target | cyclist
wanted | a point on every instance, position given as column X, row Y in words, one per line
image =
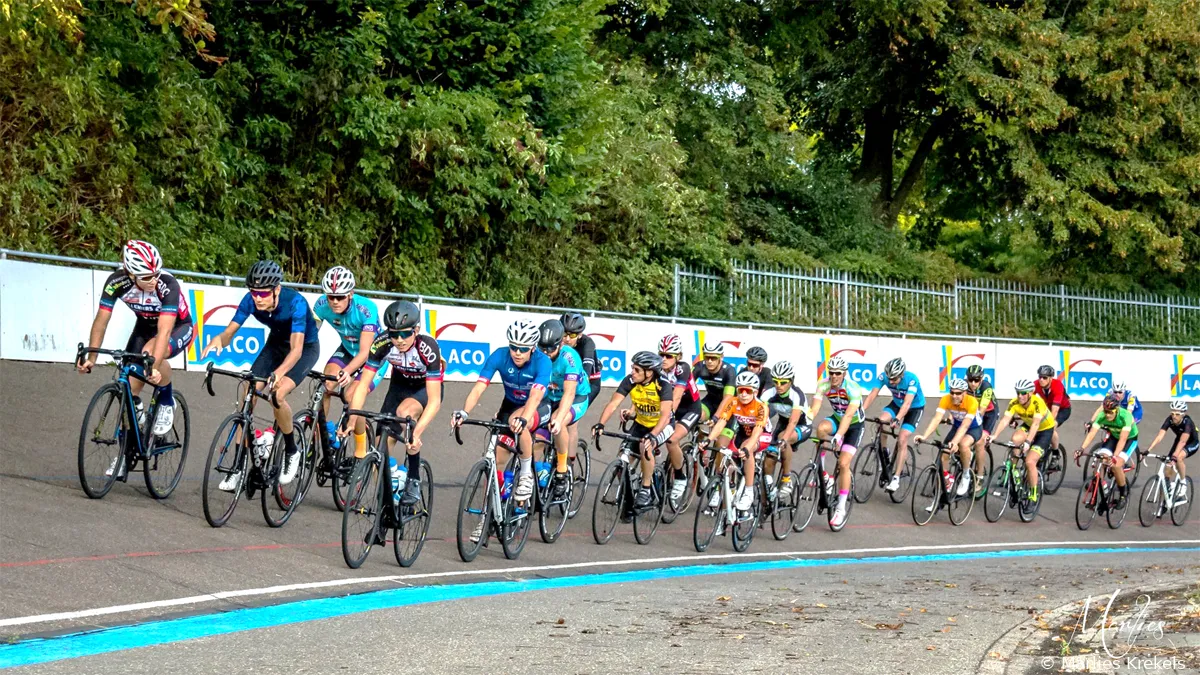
column 1122, row 439
column 751, row 435
column 649, row 389
column 1032, row 412
column 756, row 359
column 964, row 413
column 906, row 408
column 525, row 374
column 717, row 376
column 685, row 405
column 980, row 388
column 574, row 337
column 357, row 323
column 1053, row 392
column 1186, row 441
column 415, row 390
column 1126, row 400
column 792, row 427
column 290, row 351
column 164, row 326
column 569, row 389
column 844, row 426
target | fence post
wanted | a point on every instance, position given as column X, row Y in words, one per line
column 675, row 304
column 845, row 299
column 1062, row 303
column 1169, row 328
column 956, row 316
column 732, row 275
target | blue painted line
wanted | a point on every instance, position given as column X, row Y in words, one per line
column 77, row 645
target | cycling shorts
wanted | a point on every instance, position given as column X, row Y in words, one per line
column 273, row 354
column 1109, row 447
column 853, row 435
column 742, row 436
column 578, row 410
column 688, row 415
column 508, row 407
column 145, row 331
column 911, row 420
column 400, row 390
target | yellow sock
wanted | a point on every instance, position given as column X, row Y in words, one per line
column 360, row 446
column 562, row 462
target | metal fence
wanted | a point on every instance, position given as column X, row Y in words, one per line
column 823, row 297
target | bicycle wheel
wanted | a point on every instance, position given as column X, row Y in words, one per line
column 1181, row 507
column 1152, row 503
column 302, row 428
column 785, row 510
column 690, row 467
column 364, row 506
column 581, row 472
column 907, row 475
column 1055, row 470
column 1027, row 509
column 960, row 505
column 279, row 501
column 808, row 497
column 746, row 524
column 609, row 501
column 340, row 483
column 101, row 441
column 553, row 515
column 868, row 468
column 1085, row 504
column 166, row 454
column 227, row 456
column 515, row 530
column 474, row 511
column 833, row 506
column 996, row 500
column 1132, row 476
column 708, row 518
column 645, row 521
column 927, row 496
column 414, row 522
column 673, row 508
column 983, row 480
column 1116, row 516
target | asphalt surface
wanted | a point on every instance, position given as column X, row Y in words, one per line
column 61, row 552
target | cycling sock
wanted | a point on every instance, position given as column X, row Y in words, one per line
column 842, row 498
column 561, row 464
column 680, row 474
column 289, row 442
column 360, row 446
column 414, row 466
column 526, row 466
column 166, row 395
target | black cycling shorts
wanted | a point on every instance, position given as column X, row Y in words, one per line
column 273, row 354
column 144, row 331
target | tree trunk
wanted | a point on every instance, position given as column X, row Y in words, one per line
column 913, row 171
column 879, row 133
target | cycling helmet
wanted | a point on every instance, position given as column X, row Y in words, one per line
column 958, row 384
column 401, row 315
column 573, row 322
column 523, row 333
column 1046, row 371
column 756, row 354
column 264, row 274
column 783, row 370
column 894, row 368
column 550, row 335
column 1111, row 402
column 1179, row 406
column 647, row 361
column 836, row 364
column 714, row 349
column 670, row 344
column 747, row 380
column 974, row 371
column 338, row 281
column 1118, row 387
column 1023, row 386
column 141, row 259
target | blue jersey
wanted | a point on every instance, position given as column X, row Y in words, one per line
column 359, row 316
column 908, row 384
column 568, row 367
column 291, row 315
column 518, row 381
column 1126, row 399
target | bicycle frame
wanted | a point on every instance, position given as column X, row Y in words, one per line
column 495, row 502
column 125, row 363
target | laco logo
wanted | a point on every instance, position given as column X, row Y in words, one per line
column 1083, row 382
column 861, row 372
column 242, row 349
column 950, row 366
column 463, row 357
column 1184, row 385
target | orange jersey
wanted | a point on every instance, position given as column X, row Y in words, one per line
column 747, row 416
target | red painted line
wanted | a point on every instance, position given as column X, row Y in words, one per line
column 150, row 554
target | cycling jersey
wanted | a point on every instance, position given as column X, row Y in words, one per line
column 586, row 348
column 908, row 384
column 1127, row 400
column 1185, row 426
column 518, row 381
column 716, row 385
column 969, row 408
column 568, row 367
column 422, row 361
column 359, row 316
column 681, row 375
column 1055, row 396
column 291, row 315
column 985, row 395
column 765, row 379
column 166, row 298
column 1123, row 420
column 841, row 397
column 782, row 405
column 647, row 398
column 746, row 416
column 1026, row 413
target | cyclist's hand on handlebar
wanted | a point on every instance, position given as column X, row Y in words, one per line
column 155, row 377
column 85, row 367
column 597, row 429
column 457, row 418
column 918, row 439
column 626, row 414
column 343, row 378
column 1078, row 454
column 648, row 444
column 517, row 424
column 837, row 441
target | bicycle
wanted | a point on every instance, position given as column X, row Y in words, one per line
column 1160, row 495
column 234, row 452
column 553, row 514
column 880, row 471
column 782, row 514
column 725, row 517
column 1007, row 487
column 581, row 473
column 334, row 467
column 932, row 494
column 1099, row 493
column 129, row 441
column 1134, row 463
column 487, row 503
column 819, row 490
column 373, row 504
column 618, row 487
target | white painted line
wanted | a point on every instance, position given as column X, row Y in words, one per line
column 312, row 585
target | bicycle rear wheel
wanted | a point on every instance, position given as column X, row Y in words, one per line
column 996, row 499
column 474, row 510
column 1055, row 469
column 747, row 522
column 808, row 497
column 228, row 456
column 609, row 501
column 1181, row 508
column 102, row 438
column 1152, row 503
column 673, row 508
column 1027, row 509
column 166, row 454
column 1085, row 503
column 645, row 521
column 708, row 518
column 364, row 505
column 279, row 501
column 784, row 510
column 907, row 475
column 960, row 505
column 414, row 522
column 867, row 468
column 302, row 428
column 1116, row 516
column 517, row 518
column 927, row 496
column 982, row 480
column 581, row 473
column 552, row 514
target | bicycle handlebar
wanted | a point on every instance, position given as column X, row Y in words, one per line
column 494, row 425
column 146, row 359
column 322, row 377
column 247, row 376
column 405, row 423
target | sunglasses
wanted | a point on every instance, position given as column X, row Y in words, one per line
column 336, row 298
column 974, row 379
column 519, row 350
column 571, row 336
column 781, row 381
column 751, row 364
column 402, row 334
column 746, row 390
column 668, row 356
column 147, row 279
column 547, row 350
column 262, row 295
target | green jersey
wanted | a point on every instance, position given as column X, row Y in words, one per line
column 1123, row 420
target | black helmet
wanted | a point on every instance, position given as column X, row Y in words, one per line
column 974, row 371
column 400, row 315
column 550, row 335
column 756, row 354
column 647, row 361
column 264, row 274
column 1111, row 402
column 1045, row 371
column 573, row 322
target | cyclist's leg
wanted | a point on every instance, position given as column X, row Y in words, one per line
column 412, row 407
column 507, row 441
column 337, row 362
column 1037, row 448
column 908, row 427
column 1020, row 436
column 846, row 457
column 1064, row 414
column 562, row 440
column 686, row 419
column 1120, row 460
column 285, row 385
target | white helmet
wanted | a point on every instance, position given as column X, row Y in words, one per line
column 523, row 333
column 1119, row 386
column 141, row 259
column 747, row 379
column 1178, row 406
column 338, row 281
column 836, row 364
column 894, row 368
column 1024, row 386
column 783, row 370
column 958, row 384
column 714, row 349
column 670, row 344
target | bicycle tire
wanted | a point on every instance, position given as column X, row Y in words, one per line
column 1027, row 509
column 339, row 484
column 672, row 509
column 363, row 510
column 1056, row 459
column 230, row 456
column 91, row 474
column 552, row 515
column 689, row 471
column 518, row 517
column 783, row 511
column 1179, row 512
column 645, row 522
column 743, row 529
column 995, row 502
column 907, row 476
column 960, row 506
column 303, row 424
column 833, row 506
column 173, row 458
column 474, row 506
column 1116, row 516
column 927, row 495
column 983, row 481
column 808, row 491
column 279, row 501
column 1151, row 503
column 708, row 519
column 868, row 466
column 1085, row 508
column 414, row 522
column 1132, row 476
column 581, row 473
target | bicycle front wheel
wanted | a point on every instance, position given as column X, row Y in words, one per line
column 808, row 497
column 553, row 514
column 868, row 469
column 961, row 505
column 1152, row 503
column 1116, row 516
column 645, row 521
column 1089, row 493
column 102, row 438
column 1183, row 505
column 166, row 454
column 746, row 523
column 1027, row 509
column 907, row 475
column 345, row 459
column 225, row 470
column 581, row 473
column 1056, row 469
column 996, row 499
column 609, row 501
column 474, row 512
column 928, row 495
column 673, row 508
column 709, row 518
column 784, row 510
column 364, row 506
column 414, row 522
column 279, row 500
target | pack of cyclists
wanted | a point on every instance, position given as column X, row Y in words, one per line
column 550, row 375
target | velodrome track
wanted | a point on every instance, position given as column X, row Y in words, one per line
column 70, row 564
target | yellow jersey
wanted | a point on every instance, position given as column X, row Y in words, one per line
column 647, row 398
column 1026, row 413
column 968, row 409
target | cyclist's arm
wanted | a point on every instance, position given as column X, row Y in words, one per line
column 99, row 327
column 790, row 427
column 847, row 419
column 963, row 427
column 1000, row 424
column 986, row 397
column 613, row 404
column 814, row 407
column 870, row 398
column 433, row 390
column 1054, row 412
column 664, row 418
column 365, row 339
column 1123, row 439
column 536, row 393
column 239, row 317
column 752, row 440
column 473, row 396
column 1157, row 439
column 1183, row 442
column 1033, row 428
column 677, row 394
column 1087, row 439
column 564, row 404
column 1132, row 404
column 933, row 422
column 717, row 427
